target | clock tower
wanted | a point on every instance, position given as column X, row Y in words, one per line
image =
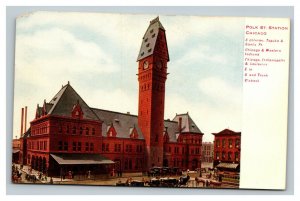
column 152, row 75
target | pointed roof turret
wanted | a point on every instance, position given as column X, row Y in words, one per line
column 188, row 125
column 150, row 39
column 63, row 102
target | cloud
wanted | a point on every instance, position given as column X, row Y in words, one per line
column 57, row 52
column 221, row 91
column 183, row 28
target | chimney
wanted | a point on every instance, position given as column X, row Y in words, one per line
column 180, row 124
column 25, row 123
column 22, row 119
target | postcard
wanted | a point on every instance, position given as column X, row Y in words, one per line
column 150, row 100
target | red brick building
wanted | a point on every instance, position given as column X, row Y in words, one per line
column 227, row 149
column 68, row 135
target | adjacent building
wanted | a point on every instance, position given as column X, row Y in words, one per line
column 227, row 150
column 207, row 152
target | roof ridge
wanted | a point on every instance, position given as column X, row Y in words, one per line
column 114, row 112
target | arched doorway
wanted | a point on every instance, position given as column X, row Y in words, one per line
column 194, row 164
column 166, row 163
column 40, row 164
column 33, row 162
column 44, row 165
column 118, row 167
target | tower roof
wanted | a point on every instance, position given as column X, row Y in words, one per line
column 150, row 38
column 188, row 125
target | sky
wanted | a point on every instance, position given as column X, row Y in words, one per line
column 97, row 54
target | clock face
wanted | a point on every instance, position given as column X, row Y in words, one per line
column 146, row 65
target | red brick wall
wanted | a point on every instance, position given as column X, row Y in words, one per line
column 224, row 149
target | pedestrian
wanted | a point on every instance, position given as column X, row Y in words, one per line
column 89, row 174
column 51, row 180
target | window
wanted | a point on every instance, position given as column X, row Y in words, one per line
column 218, row 155
column 130, row 164
column 87, row 146
column 236, row 157
column 68, row 129
column 136, row 163
column 74, row 130
column 80, row 130
column 79, row 146
column 45, row 145
column 192, row 151
column 60, row 145
column 223, row 155
column 38, row 145
column 230, row 143
column 237, row 143
column 126, row 164
column 218, row 143
column 229, row 155
column 66, row 146
column 182, row 150
column 92, row 147
column 128, row 148
column 223, row 143
column 93, row 131
column 74, row 146
column 87, row 131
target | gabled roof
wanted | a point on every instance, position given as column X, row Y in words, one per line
column 150, row 38
column 63, row 102
column 227, row 132
column 188, row 125
column 123, row 123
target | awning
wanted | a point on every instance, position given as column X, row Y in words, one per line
column 228, row 165
column 80, row 159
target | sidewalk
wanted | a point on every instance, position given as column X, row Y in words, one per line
column 36, row 173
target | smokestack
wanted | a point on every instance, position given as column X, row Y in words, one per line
column 22, row 119
column 25, row 123
column 180, row 124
